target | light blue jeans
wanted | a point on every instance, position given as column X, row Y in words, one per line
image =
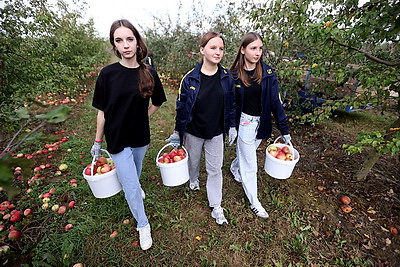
column 244, row 166
column 129, row 167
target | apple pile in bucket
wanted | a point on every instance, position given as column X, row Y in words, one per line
column 102, row 165
column 175, row 155
column 282, row 153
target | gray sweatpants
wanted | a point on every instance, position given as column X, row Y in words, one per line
column 214, row 155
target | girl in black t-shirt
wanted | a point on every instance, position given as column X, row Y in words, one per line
column 122, row 96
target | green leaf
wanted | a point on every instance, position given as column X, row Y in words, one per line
column 56, row 115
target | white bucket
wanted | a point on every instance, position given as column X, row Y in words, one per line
column 103, row 185
column 280, row 169
column 176, row 173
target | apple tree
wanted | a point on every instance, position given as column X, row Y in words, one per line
column 337, row 43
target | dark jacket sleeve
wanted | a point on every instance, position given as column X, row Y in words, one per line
column 277, row 109
column 182, row 111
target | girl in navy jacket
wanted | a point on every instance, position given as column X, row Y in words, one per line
column 256, row 99
column 205, row 113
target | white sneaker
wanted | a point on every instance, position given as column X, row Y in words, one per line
column 195, row 186
column 218, row 214
column 145, row 237
column 143, row 194
column 259, row 211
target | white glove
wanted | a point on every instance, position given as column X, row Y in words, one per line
column 95, row 151
column 173, row 138
column 286, row 138
column 232, row 135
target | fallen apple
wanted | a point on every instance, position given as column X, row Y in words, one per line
column 68, row 226
column 393, row 230
column 63, row 167
column 345, row 199
column 62, row 210
column 346, row 208
column 113, row 234
column 71, row 204
column 14, row 234
column 55, row 207
column 27, row 212
column 15, row 217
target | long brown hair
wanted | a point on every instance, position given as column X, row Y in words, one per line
column 207, row 37
column 146, row 80
column 238, row 63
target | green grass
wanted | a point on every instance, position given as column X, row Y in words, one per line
column 184, row 234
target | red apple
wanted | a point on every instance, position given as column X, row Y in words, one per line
column 27, row 212
column 15, row 217
column 101, row 161
column 88, row 170
column 62, row 210
column 52, row 190
column 173, row 153
column 71, row 204
column 68, row 226
column 177, row 158
column 181, row 152
column 14, row 234
column 273, row 153
column 105, row 168
column 166, row 160
column 2, row 227
column 281, row 156
column 285, row 149
column 114, row 234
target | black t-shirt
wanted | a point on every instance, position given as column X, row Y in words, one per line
column 252, row 97
column 125, row 110
column 208, row 110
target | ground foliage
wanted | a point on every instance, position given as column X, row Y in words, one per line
column 306, row 225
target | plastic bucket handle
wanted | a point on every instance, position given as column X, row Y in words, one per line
column 175, row 145
column 94, row 159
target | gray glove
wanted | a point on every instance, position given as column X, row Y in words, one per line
column 95, row 151
column 173, row 138
column 286, row 138
column 232, row 135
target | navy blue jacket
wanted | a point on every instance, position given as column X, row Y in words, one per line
column 270, row 102
column 188, row 90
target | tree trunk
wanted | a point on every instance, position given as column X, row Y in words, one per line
column 372, row 158
column 373, row 155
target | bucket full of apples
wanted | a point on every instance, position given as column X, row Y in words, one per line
column 280, row 160
column 101, row 176
column 173, row 164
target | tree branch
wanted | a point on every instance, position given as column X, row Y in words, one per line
column 368, row 55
